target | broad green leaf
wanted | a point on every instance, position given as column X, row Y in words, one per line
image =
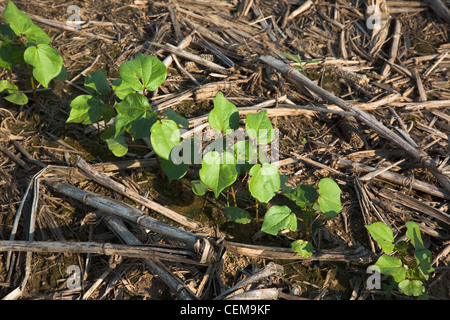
column 413, row 233
column 22, row 25
column 85, row 109
column 7, row 86
column 218, row 171
column 108, row 112
column 224, row 115
column 383, row 235
column 172, row 115
column 143, row 72
column 121, row 88
column 259, row 127
column 198, row 187
column 238, row 215
column 116, row 144
column 284, row 179
column 46, row 62
column 411, row 287
column 6, row 33
column 18, row 98
column 422, row 254
column 264, row 181
column 279, row 218
column 391, row 266
column 164, row 136
column 9, row 54
column 14, row 95
column 174, row 171
column 36, row 36
column 303, row 248
column 246, row 155
column 303, row 195
column 329, row 197
column 62, row 76
column 97, row 82
column 135, row 116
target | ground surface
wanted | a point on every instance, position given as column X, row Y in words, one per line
column 349, row 64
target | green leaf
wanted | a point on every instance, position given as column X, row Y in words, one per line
column 238, row 215
column 7, row 86
column 172, row 115
column 329, row 197
column 144, row 72
column 116, row 144
column 303, row 248
column 22, row 25
column 121, row 88
column 259, row 127
column 164, row 136
column 422, row 254
column 279, row 218
column 62, row 76
column 134, row 115
column 18, row 98
column 198, row 187
column 284, row 179
column 108, row 112
column 14, row 95
column 172, row 170
column 383, row 235
column 97, row 82
column 391, row 266
column 264, row 182
column 218, row 171
column 85, row 109
column 224, row 115
column 411, row 287
column 6, row 33
column 303, row 195
column 9, row 54
column 246, row 154
column 46, row 62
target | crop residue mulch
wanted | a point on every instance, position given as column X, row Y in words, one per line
column 396, row 71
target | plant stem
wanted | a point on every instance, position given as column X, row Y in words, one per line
column 34, row 92
column 234, row 195
column 256, row 206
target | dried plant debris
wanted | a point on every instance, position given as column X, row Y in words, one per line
column 359, row 92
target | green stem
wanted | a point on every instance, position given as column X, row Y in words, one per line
column 234, row 195
column 256, row 206
column 34, row 92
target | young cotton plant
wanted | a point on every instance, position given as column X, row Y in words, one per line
column 24, row 43
column 125, row 100
column 230, row 160
column 326, row 199
column 408, row 272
